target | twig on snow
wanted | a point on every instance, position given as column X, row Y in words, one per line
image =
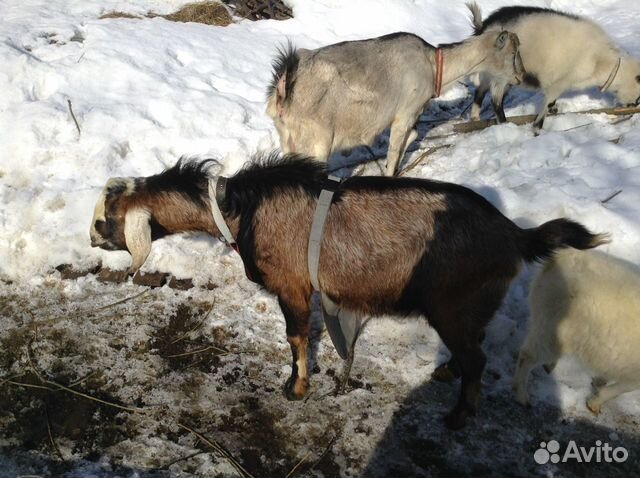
column 53, row 442
column 324, row 453
column 88, row 312
column 59, row 386
column 422, row 157
column 73, row 116
column 199, row 351
column 609, row 198
column 524, row 119
column 197, row 326
column 178, row 460
column 302, row 460
column 29, row 385
column 217, row 447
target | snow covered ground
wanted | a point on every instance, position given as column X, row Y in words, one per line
column 148, row 91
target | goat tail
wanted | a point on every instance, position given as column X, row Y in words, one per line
column 284, row 67
column 476, row 17
column 541, row 242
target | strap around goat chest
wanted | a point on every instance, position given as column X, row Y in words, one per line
column 342, row 324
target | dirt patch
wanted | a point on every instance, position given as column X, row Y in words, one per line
column 218, row 13
column 117, row 15
column 183, row 344
column 260, row 9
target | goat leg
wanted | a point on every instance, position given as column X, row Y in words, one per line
column 296, row 314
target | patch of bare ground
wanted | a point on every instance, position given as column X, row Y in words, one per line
column 208, row 13
column 218, row 13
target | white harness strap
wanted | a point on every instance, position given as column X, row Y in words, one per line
column 343, row 325
column 612, row 76
column 216, row 190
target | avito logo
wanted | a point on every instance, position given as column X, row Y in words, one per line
column 600, row 453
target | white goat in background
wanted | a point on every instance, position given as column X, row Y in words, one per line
column 560, row 52
column 344, row 95
column 586, row 304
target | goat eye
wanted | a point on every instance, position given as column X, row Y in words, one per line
column 638, row 78
column 99, row 226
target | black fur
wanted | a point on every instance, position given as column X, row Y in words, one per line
column 188, row 177
column 265, row 176
column 541, row 242
column 531, row 80
column 286, row 61
column 467, row 212
column 506, row 15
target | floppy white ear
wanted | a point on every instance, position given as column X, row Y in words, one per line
column 137, row 235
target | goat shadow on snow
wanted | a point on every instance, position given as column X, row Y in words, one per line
column 436, row 112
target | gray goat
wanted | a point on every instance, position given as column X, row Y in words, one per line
column 344, row 95
column 560, row 52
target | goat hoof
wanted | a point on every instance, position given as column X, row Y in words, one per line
column 593, row 406
column 445, row 373
column 456, row 419
column 293, row 390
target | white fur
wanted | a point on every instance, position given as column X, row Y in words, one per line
column 587, row 304
column 565, row 54
column 99, row 211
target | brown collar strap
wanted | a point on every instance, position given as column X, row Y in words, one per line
column 439, row 69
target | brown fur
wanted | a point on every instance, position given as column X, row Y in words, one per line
column 391, row 246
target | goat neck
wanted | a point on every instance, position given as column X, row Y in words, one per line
column 459, row 60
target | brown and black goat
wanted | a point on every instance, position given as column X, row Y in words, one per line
column 399, row 246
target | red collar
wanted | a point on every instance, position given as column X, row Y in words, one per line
column 439, row 69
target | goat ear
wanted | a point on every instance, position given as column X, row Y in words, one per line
column 137, row 235
column 282, row 87
column 501, row 41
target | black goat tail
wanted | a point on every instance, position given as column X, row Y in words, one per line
column 540, row 243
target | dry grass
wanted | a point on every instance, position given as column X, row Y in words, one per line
column 116, row 15
column 209, row 13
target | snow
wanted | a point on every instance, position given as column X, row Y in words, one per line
column 146, row 92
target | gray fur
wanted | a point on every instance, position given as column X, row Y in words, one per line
column 344, row 95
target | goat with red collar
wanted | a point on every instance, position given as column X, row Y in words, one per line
column 344, row 95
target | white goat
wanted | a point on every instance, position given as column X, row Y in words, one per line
column 344, row 95
column 585, row 304
column 560, row 52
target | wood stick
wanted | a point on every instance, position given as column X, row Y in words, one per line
column 217, row 447
column 298, row 465
column 524, row 119
column 605, row 201
column 422, row 157
column 73, row 116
